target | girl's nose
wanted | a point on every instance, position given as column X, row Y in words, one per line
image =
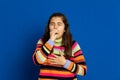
column 55, row 26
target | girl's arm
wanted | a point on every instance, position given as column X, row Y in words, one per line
column 77, row 63
column 42, row 51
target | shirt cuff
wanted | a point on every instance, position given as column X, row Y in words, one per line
column 67, row 64
column 50, row 42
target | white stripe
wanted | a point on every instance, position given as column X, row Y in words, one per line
column 46, row 49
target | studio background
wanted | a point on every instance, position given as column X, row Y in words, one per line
column 95, row 24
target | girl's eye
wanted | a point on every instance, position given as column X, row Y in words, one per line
column 59, row 24
column 51, row 23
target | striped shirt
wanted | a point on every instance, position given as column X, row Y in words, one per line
column 76, row 65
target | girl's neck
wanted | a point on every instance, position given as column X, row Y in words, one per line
column 58, row 41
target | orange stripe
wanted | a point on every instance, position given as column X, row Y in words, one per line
column 71, row 65
column 38, row 49
column 48, row 46
column 84, row 66
column 55, row 71
column 79, row 61
column 83, row 72
column 79, row 58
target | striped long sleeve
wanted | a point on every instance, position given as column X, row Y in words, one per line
column 42, row 51
column 77, row 63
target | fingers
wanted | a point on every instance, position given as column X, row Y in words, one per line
column 51, row 58
column 52, row 61
column 53, row 31
column 55, row 56
column 53, row 34
column 60, row 52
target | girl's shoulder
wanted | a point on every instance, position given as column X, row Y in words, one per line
column 74, row 42
column 40, row 41
column 75, row 45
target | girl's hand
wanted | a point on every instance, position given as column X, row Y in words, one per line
column 53, row 34
column 57, row 60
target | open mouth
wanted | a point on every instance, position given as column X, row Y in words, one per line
column 56, row 33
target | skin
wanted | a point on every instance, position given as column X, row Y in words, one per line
column 56, row 27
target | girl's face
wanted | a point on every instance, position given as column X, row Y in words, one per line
column 57, row 23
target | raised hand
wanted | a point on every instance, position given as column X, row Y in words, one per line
column 53, row 34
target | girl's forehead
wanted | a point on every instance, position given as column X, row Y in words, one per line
column 56, row 19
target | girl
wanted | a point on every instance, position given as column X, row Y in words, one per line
column 60, row 57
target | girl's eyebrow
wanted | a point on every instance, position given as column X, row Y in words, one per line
column 51, row 22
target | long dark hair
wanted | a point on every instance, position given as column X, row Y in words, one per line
column 66, row 38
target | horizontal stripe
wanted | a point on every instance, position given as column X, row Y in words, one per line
column 82, row 63
column 78, row 58
column 56, row 71
column 57, row 52
column 59, row 47
column 52, row 68
column 48, row 46
column 39, row 45
column 57, row 74
column 76, row 65
column 45, row 79
column 56, row 49
column 56, row 78
column 77, row 53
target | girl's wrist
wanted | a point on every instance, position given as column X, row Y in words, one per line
column 64, row 62
column 52, row 39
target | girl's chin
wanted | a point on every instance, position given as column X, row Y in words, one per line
column 58, row 37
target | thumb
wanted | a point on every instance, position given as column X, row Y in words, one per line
column 55, row 35
column 60, row 53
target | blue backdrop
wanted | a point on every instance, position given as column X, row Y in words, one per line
column 95, row 24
